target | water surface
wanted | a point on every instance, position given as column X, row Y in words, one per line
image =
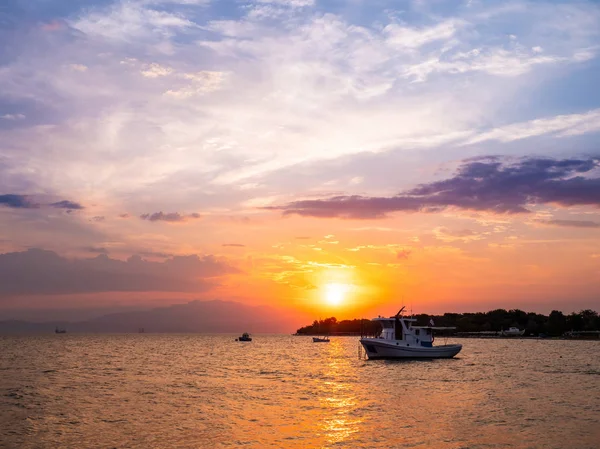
column 193, row 391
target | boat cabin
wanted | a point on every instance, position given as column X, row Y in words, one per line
column 401, row 329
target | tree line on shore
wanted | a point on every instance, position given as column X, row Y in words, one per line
column 555, row 324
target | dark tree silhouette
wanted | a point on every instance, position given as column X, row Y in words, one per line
column 556, row 324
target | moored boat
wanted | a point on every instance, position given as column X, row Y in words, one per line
column 400, row 339
column 512, row 332
column 321, row 339
column 245, row 337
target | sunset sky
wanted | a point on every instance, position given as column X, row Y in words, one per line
column 325, row 157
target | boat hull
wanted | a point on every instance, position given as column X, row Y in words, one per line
column 381, row 349
column 320, row 340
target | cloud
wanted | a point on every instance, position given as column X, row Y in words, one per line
column 155, row 70
column 481, row 185
column 450, row 235
column 241, row 96
column 290, row 3
column 129, row 20
column 200, row 83
column 560, row 125
column 65, row 204
column 12, row 116
column 171, row 217
column 403, row 254
column 497, row 61
column 95, row 249
column 26, row 202
column 78, row 67
column 159, row 254
column 570, row 223
column 38, row 271
column 404, row 37
column 18, row 201
column 237, row 245
column 317, row 72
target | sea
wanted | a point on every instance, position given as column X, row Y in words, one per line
column 282, row 391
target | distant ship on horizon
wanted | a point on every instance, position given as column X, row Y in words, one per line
column 60, row 331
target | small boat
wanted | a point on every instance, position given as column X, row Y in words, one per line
column 324, row 339
column 245, row 337
column 399, row 339
column 60, row 331
column 512, row 332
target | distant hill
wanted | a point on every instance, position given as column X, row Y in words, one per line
column 196, row 316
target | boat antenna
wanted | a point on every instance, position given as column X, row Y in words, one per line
column 399, row 312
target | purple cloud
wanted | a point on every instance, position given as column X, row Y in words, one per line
column 65, row 204
column 96, row 249
column 17, row 201
column 38, row 271
column 481, row 185
column 25, row 202
column 171, row 217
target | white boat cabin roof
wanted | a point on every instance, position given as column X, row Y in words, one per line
column 412, row 320
column 381, row 318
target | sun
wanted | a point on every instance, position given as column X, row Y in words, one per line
column 335, row 293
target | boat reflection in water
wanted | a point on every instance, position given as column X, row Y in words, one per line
column 399, row 339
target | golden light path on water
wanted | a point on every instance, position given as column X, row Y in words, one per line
column 199, row 391
column 338, row 425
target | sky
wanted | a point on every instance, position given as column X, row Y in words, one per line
column 327, row 157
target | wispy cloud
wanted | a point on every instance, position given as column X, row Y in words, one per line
column 453, row 235
column 171, row 217
column 569, row 223
column 12, row 117
column 561, row 125
column 133, row 19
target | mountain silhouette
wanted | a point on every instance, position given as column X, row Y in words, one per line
column 214, row 316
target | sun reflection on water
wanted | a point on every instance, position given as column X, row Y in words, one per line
column 339, row 401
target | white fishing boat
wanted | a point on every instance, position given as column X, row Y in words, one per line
column 512, row 332
column 399, row 339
